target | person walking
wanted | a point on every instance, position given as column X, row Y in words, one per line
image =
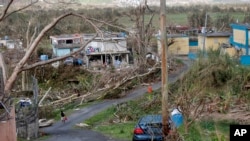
column 63, row 117
column 150, row 89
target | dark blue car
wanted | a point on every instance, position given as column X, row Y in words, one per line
column 149, row 128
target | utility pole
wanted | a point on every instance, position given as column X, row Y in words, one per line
column 164, row 70
column 204, row 35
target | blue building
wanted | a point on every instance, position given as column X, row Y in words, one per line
column 65, row 44
column 240, row 40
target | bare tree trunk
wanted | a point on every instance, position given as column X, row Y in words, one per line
column 28, row 53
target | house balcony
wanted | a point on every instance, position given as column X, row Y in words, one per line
column 68, row 46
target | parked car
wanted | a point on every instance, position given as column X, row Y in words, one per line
column 25, row 102
column 148, row 128
column 73, row 61
column 69, row 61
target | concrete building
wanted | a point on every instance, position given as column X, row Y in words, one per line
column 212, row 40
column 241, row 40
column 10, row 43
column 109, row 49
column 180, row 44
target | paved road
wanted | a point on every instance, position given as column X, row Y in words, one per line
column 67, row 132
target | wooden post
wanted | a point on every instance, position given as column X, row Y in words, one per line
column 8, row 126
column 36, row 93
column 164, row 70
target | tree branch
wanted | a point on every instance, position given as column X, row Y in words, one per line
column 27, row 35
column 34, row 35
column 5, row 14
column 6, row 10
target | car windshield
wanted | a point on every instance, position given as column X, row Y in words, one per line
column 151, row 119
column 151, row 124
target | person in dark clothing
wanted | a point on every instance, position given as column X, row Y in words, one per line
column 63, row 117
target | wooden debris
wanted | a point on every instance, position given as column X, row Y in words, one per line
column 82, row 125
column 40, row 102
column 45, row 123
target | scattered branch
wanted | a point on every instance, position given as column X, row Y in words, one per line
column 40, row 102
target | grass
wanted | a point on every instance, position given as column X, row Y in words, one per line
column 40, row 138
column 171, row 19
column 199, row 131
column 235, row 15
column 174, row 19
column 207, row 131
column 100, row 117
column 122, row 131
column 102, row 122
column 177, row 18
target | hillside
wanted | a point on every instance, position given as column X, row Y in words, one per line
column 123, row 3
column 126, row 3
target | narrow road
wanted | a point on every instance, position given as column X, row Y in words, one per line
column 67, row 132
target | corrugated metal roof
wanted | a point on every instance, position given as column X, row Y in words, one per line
column 89, row 36
column 66, row 36
column 217, row 34
column 109, row 52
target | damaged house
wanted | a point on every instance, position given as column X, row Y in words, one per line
column 108, row 49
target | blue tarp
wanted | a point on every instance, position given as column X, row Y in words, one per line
column 245, row 60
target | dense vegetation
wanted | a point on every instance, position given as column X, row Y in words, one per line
column 214, row 84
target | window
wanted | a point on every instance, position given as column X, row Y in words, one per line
column 61, row 42
column 69, row 41
column 77, row 41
